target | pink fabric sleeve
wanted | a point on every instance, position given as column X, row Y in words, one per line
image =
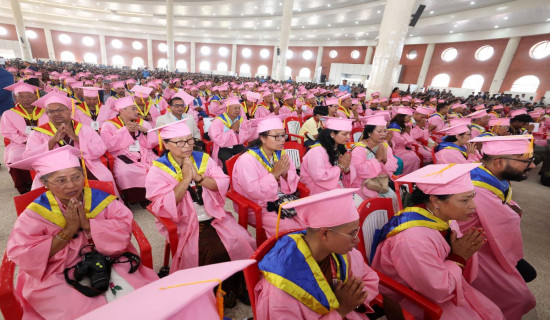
column 222, row 139
column 391, row 162
column 9, row 129
column 255, row 185
column 364, row 168
column 321, row 171
column 290, row 183
column 36, row 144
column 115, row 139
column 152, row 138
column 91, row 144
column 368, row 276
column 112, row 229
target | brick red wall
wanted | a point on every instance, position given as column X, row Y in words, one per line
column 465, row 64
column 185, row 56
column 298, row 62
column 255, row 59
column 214, row 57
column 523, row 65
column 344, row 56
column 411, row 68
column 38, row 45
column 11, row 35
column 127, row 52
column 76, row 46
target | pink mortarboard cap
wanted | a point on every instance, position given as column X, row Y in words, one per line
column 99, row 76
column 395, row 100
column 130, row 81
column 173, row 130
column 344, row 97
column 223, row 88
column 384, row 113
column 406, row 99
column 277, row 90
column 310, row 96
column 375, row 94
column 442, row 179
column 417, row 101
column 141, row 91
column 269, row 123
column 441, row 101
column 479, row 107
column 433, row 100
column 21, row 87
column 503, row 122
column 405, row 110
column 186, row 97
column 478, row 114
column 457, row 121
column 338, row 123
column 382, row 99
column 232, row 101
column 175, row 80
column 517, row 112
column 455, row 130
column 88, row 83
column 317, row 211
column 253, row 96
column 423, row 110
column 75, row 84
column 184, row 294
column 506, row 145
column 498, row 107
column 456, row 106
column 50, row 161
column 11, row 69
column 331, row 101
column 194, row 88
column 118, row 84
column 354, row 101
column 375, row 120
column 124, row 102
column 361, row 95
column 375, row 101
column 53, row 97
column 90, row 91
column 288, row 96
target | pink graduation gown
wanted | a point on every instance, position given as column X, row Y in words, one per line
column 118, row 142
column 286, row 110
column 224, row 137
column 273, row 303
column 262, row 112
column 437, row 121
column 498, row 277
column 41, row 285
column 455, row 156
column 160, row 190
column 216, row 107
column 424, row 134
column 318, row 174
column 411, row 162
column 254, row 182
column 85, row 119
column 90, row 143
column 14, row 128
column 417, row 258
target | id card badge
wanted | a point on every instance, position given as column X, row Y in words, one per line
column 134, row 147
column 28, row 129
column 95, row 125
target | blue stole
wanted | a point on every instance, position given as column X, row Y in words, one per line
column 407, row 218
column 47, row 206
column 483, row 178
column 290, row 267
column 478, row 127
column 394, row 126
column 197, row 102
column 487, row 134
column 451, row 145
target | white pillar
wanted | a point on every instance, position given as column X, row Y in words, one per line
column 20, row 29
column 103, row 50
column 284, row 37
column 150, row 61
column 274, row 63
column 192, row 57
column 234, row 58
column 393, row 31
column 49, row 44
column 425, row 65
column 170, row 35
column 368, row 56
column 316, row 72
column 504, row 64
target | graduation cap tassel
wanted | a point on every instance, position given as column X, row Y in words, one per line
column 86, row 182
column 72, row 108
column 160, row 141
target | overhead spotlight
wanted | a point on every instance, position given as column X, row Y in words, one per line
column 329, row 24
column 356, row 22
column 432, row 12
column 378, row 11
column 496, row 27
column 451, row 31
column 328, row 5
column 506, row 18
column 473, row 2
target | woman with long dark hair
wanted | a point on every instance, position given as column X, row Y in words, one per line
column 455, row 147
column 401, row 141
column 328, row 161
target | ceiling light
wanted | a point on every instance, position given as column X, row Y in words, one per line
column 242, row 14
column 329, row 24
column 455, row 26
column 496, row 27
column 505, row 18
column 378, row 11
column 356, row 38
column 303, row 27
column 432, row 12
column 451, row 31
column 214, row 14
column 548, row 19
column 255, row 7
column 328, row 5
column 367, row 33
column 356, row 22
column 473, row 2
column 280, row 3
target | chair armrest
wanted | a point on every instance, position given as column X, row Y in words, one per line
column 299, row 138
column 208, row 145
column 170, row 228
column 144, row 245
column 304, row 191
column 10, row 307
column 242, row 205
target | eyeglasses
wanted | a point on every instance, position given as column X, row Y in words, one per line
column 57, row 111
column 528, row 162
column 354, row 236
column 63, row 182
column 279, row 137
column 183, row 143
column 178, row 105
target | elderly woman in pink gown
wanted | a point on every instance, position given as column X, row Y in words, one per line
column 265, row 173
column 401, row 141
column 325, row 164
column 423, row 248
column 48, row 236
column 455, row 147
column 420, row 133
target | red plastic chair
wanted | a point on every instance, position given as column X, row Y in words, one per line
column 296, row 152
column 208, row 145
column 108, row 161
column 292, row 126
column 356, row 134
column 398, row 189
column 6, row 142
column 171, row 244
column 10, row 307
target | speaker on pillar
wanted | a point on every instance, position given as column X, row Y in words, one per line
column 278, row 51
column 323, row 78
column 417, row 15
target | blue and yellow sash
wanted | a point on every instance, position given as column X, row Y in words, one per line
column 483, row 178
column 260, row 155
column 394, row 126
column 50, row 130
column 167, row 164
column 477, row 127
column 450, row 145
column 487, row 134
column 456, row 115
column 227, row 121
column 290, row 267
column 94, row 202
column 437, row 114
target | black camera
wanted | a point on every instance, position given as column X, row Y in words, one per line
column 95, row 266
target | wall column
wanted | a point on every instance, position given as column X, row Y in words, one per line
column 284, row 37
column 49, row 44
column 170, row 35
column 316, row 72
column 20, row 29
column 504, row 64
column 368, row 56
column 103, row 50
column 234, row 58
column 150, row 61
column 425, row 65
column 393, row 31
column 274, row 63
column 193, row 58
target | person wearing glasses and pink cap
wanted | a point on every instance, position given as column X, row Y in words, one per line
column 423, row 248
column 189, row 188
column 266, row 175
column 456, row 146
column 503, row 272
column 401, row 141
column 216, row 106
column 317, row 273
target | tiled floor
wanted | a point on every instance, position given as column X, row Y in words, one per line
column 532, row 197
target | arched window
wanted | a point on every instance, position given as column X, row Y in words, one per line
column 90, row 58
column 333, row 54
column 246, row 52
column 245, row 68
column 304, row 73
column 441, row 80
column 449, row 54
column 181, row 65
column 264, row 53
column 65, row 39
column 204, row 66
column 540, row 50
column 355, row 54
column 526, row 84
column 307, row 55
column 223, row 51
column 263, row 70
column 484, row 53
column 67, row 56
column 162, row 63
column 118, row 60
column 163, row 47
column 288, row 72
column 137, row 45
column 88, row 41
column 412, row 54
column 222, row 66
column 181, row 48
column 116, row 43
column 137, row 62
column 31, row 34
column 205, row 50
column 474, row 82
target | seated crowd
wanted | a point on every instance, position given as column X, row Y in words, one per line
column 182, row 144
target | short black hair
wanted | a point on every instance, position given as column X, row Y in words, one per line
column 522, row 118
column 320, row 110
column 440, row 106
column 175, row 99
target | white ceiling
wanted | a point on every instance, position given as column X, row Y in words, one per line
column 315, row 22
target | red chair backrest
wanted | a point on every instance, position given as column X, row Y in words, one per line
column 433, row 156
column 252, row 273
column 290, row 125
column 354, row 132
column 6, row 142
column 229, row 164
column 398, row 185
column 291, row 145
column 369, row 210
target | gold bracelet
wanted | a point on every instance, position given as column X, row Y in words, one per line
column 62, row 236
column 459, row 264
